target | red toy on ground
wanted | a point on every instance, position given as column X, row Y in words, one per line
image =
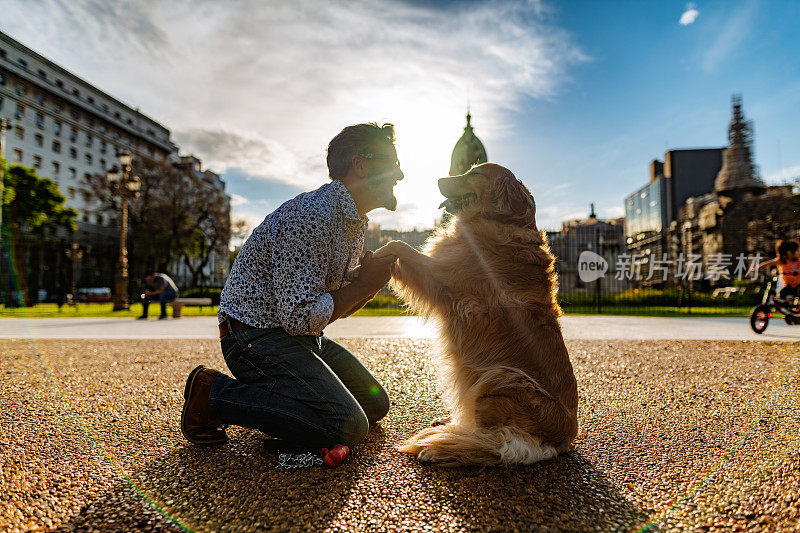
column 335, row 457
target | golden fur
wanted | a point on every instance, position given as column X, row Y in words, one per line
column 487, row 279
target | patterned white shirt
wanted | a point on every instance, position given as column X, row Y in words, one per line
column 284, row 272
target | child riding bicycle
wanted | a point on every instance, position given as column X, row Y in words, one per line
column 788, row 263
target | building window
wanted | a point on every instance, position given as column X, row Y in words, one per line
column 116, row 136
column 42, row 74
column 37, row 161
column 87, row 196
column 72, row 173
column 57, row 147
column 102, row 147
column 60, row 84
column 103, row 129
column 22, row 63
column 57, row 128
column 75, row 93
column 57, row 108
column 2, row 53
column 89, row 141
column 38, row 99
column 117, row 115
column 2, row 79
column 20, row 112
column 1, row 103
column 39, row 140
column 39, row 120
column 18, row 155
column 102, row 164
column 74, row 114
column 90, row 99
column 21, row 90
column 73, row 153
column 99, row 219
column 130, row 121
column 88, row 159
column 104, row 107
column 73, row 135
column 151, row 151
column 19, row 132
column 71, row 190
column 90, row 122
column 85, row 217
column 56, row 168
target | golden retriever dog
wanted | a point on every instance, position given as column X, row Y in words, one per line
column 487, row 279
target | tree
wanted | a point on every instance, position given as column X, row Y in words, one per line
column 212, row 234
column 177, row 215
column 32, row 207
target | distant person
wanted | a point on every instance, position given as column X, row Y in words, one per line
column 290, row 280
column 788, row 263
column 158, row 287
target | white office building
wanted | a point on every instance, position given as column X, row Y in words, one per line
column 67, row 128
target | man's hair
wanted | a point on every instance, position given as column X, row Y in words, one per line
column 783, row 248
column 356, row 139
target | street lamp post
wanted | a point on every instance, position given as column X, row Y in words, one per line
column 74, row 253
column 3, row 128
column 126, row 187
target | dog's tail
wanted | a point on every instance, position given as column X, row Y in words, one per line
column 452, row 445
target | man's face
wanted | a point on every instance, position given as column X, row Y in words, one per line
column 383, row 174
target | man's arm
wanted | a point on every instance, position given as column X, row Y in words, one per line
column 372, row 276
column 767, row 264
column 357, row 307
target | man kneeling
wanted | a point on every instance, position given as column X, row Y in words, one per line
column 287, row 283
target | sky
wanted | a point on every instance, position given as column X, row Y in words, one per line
column 575, row 97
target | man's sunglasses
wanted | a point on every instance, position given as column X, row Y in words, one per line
column 380, row 156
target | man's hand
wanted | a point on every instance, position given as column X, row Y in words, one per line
column 374, row 273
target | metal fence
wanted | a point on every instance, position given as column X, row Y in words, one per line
column 669, row 273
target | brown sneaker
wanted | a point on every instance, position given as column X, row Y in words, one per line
column 199, row 424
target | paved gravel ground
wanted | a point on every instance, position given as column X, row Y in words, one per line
column 676, row 434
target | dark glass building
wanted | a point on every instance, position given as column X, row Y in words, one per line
column 649, row 211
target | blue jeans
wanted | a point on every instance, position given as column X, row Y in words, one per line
column 163, row 297
column 307, row 390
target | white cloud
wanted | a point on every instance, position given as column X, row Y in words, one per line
column 689, row 15
column 788, row 174
column 263, row 86
column 237, row 199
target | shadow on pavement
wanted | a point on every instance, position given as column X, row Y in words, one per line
column 564, row 494
column 233, row 487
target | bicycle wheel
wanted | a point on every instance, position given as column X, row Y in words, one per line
column 759, row 318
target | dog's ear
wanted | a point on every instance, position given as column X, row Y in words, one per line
column 512, row 201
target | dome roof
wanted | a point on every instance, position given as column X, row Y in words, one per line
column 468, row 151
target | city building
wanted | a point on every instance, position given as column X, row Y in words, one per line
column 468, row 151
column 68, row 129
column 606, row 238
column 741, row 215
column 651, row 209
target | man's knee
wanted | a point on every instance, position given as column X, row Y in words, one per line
column 378, row 406
column 354, row 428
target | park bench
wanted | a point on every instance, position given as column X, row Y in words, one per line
column 178, row 303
